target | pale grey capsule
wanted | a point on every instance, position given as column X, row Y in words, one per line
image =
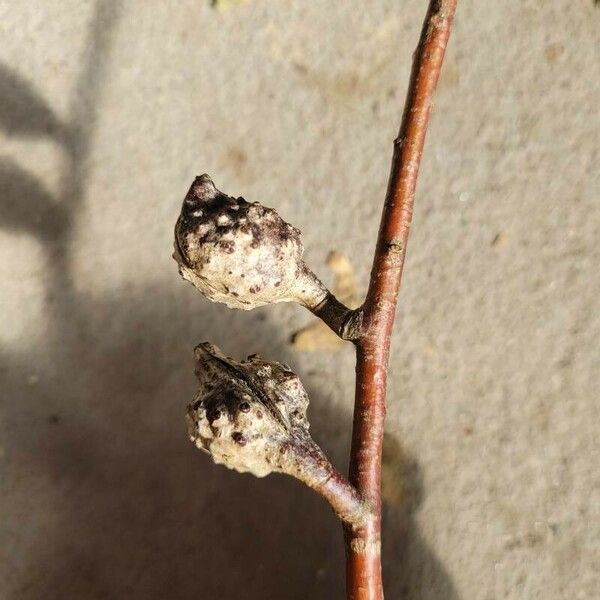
column 239, row 253
column 251, row 416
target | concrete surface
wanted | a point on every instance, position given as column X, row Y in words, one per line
column 108, row 110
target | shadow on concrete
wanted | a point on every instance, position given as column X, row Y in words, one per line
column 104, row 497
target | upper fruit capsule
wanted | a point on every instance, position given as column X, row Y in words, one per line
column 239, row 253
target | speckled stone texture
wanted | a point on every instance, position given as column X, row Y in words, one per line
column 108, row 111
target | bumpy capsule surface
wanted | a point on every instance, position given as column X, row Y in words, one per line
column 239, row 253
column 251, row 416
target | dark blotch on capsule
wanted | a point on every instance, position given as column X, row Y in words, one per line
column 227, row 245
column 238, row 438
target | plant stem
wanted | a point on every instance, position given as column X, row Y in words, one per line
column 343, row 498
column 342, row 320
column 363, row 572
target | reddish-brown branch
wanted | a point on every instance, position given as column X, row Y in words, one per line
column 363, row 574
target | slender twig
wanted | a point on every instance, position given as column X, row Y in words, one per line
column 363, row 574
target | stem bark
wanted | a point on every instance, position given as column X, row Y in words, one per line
column 363, row 543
